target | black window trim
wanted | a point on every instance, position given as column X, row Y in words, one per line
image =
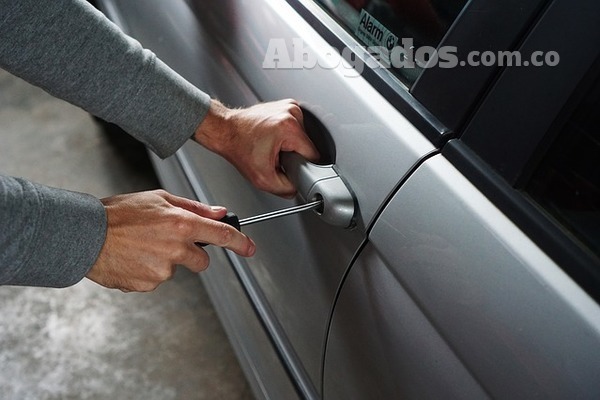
column 483, row 25
column 499, row 132
column 475, row 154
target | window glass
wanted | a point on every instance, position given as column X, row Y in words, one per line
column 388, row 29
column 567, row 182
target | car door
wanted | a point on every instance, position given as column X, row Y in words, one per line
column 481, row 278
column 292, row 280
column 378, row 124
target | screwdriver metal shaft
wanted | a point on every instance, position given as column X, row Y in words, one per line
column 281, row 213
column 233, row 220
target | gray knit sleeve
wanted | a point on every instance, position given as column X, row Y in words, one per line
column 52, row 237
column 72, row 51
column 48, row 237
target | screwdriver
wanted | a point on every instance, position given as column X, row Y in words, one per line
column 237, row 223
column 232, row 219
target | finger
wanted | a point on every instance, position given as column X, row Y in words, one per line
column 197, row 260
column 296, row 111
column 285, row 187
column 297, row 141
column 225, row 235
column 196, row 207
column 290, row 101
column 190, row 255
column 153, row 278
column 307, row 149
column 301, row 144
column 140, row 286
column 274, row 180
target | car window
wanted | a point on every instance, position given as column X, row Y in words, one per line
column 395, row 30
column 567, row 182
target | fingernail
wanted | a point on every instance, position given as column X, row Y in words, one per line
column 217, row 208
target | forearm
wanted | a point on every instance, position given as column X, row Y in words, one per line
column 73, row 52
column 48, row 237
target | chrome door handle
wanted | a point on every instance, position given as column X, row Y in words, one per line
column 321, row 182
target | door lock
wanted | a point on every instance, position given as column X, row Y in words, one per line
column 321, row 182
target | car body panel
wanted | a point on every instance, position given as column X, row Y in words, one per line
column 251, row 343
column 301, row 260
column 367, row 124
column 433, row 292
column 492, row 304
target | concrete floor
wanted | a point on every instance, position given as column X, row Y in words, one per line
column 88, row 342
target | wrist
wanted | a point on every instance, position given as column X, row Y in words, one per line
column 216, row 130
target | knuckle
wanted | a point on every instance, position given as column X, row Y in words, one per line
column 288, row 119
column 294, row 108
column 148, row 286
column 163, row 274
column 181, row 225
column 179, row 252
column 291, row 125
column 225, row 235
column 161, row 192
column 140, row 287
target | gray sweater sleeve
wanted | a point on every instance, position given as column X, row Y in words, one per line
column 72, row 51
column 52, row 237
column 48, row 237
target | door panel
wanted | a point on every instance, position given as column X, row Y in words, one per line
column 370, row 135
column 300, row 259
column 251, row 343
column 443, row 257
column 383, row 343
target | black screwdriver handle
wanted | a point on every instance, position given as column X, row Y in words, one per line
column 233, row 220
column 230, row 219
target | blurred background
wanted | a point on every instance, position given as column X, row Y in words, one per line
column 88, row 342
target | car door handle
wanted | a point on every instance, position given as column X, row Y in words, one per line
column 321, row 182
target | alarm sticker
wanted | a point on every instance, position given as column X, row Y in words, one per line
column 374, row 34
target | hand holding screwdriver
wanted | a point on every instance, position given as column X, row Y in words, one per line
column 150, row 233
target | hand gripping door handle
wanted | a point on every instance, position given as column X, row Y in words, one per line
column 321, row 182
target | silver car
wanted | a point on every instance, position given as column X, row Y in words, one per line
column 456, row 254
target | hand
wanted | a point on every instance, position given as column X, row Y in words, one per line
column 150, row 233
column 252, row 138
